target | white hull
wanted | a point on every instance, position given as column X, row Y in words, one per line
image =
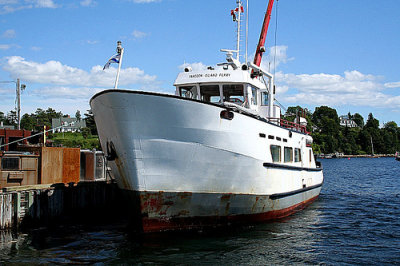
column 168, row 144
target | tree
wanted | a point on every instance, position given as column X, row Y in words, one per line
column 28, row 122
column 85, row 132
column 358, row 119
column 2, row 117
column 391, row 126
column 12, row 118
column 372, row 122
column 90, row 123
column 78, row 115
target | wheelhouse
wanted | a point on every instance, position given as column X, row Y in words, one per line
column 235, row 88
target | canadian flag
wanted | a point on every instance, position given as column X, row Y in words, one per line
column 234, row 11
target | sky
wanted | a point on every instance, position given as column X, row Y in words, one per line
column 343, row 54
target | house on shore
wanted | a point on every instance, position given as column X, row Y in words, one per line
column 345, row 121
column 67, row 124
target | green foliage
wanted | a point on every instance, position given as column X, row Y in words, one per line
column 75, row 140
column 330, row 137
column 358, row 119
column 78, row 115
column 90, row 122
column 86, row 133
column 28, row 122
column 372, row 122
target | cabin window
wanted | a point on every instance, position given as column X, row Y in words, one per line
column 10, row 163
column 297, row 155
column 254, row 96
column 210, row 93
column 288, row 157
column 188, row 92
column 233, row 93
column 276, row 153
column 310, row 153
column 264, row 98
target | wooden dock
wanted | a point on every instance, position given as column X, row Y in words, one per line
column 47, row 205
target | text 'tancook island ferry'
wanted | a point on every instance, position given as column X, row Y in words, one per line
column 215, row 153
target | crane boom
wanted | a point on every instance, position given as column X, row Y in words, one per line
column 263, row 36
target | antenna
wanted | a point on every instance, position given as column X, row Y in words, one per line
column 238, row 28
column 236, row 16
column 247, row 28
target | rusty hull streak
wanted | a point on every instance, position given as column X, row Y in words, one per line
column 194, row 223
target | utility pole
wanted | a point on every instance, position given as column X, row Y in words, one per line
column 19, row 88
column 19, row 104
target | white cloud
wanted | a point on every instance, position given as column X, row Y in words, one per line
column 392, row 84
column 88, row 3
column 44, row 3
column 145, row 1
column 36, row 48
column 56, row 92
column 352, row 88
column 8, row 2
column 9, row 34
column 10, row 6
column 139, row 34
column 276, row 56
column 54, row 72
column 5, row 46
column 198, row 66
column 91, row 42
column 62, row 81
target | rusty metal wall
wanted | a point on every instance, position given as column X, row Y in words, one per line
column 89, row 166
column 71, row 165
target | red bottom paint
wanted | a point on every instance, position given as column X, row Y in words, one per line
column 192, row 223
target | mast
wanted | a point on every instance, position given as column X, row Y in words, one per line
column 263, row 36
column 238, row 29
column 247, row 28
column 236, row 16
column 120, row 51
column 372, row 147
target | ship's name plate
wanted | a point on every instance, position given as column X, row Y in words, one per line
column 209, row 75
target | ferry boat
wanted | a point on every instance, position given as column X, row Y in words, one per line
column 215, row 153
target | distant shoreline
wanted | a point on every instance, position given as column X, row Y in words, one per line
column 331, row 156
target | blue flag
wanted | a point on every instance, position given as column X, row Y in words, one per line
column 114, row 59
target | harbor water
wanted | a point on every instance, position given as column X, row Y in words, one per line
column 356, row 220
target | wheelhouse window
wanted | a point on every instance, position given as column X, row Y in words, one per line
column 264, row 98
column 10, row 163
column 188, row 92
column 276, row 153
column 254, row 96
column 297, row 155
column 210, row 93
column 288, row 158
column 233, row 93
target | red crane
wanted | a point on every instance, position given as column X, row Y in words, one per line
column 263, row 36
